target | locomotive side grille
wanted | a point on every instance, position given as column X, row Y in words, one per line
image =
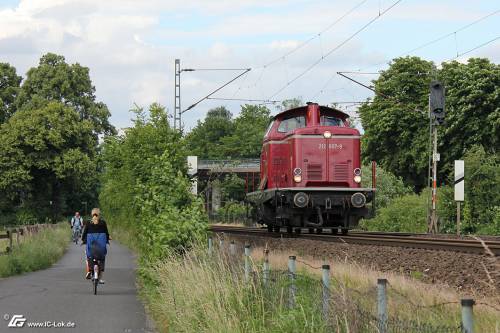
column 341, row 172
column 314, row 172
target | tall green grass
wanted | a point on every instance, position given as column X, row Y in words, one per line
column 195, row 292
column 36, row 252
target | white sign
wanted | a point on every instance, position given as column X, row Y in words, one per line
column 459, row 180
column 192, row 165
column 192, row 162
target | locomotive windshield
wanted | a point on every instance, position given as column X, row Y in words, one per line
column 331, row 121
column 291, row 123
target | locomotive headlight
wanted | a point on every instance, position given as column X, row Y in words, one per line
column 301, row 199
column 297, row 171
column 327, row 134
column 358, row 200
column 297, row 178
column 357, row 175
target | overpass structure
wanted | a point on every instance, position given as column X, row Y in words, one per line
column 211, row 172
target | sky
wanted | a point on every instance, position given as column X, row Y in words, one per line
column 293, row 47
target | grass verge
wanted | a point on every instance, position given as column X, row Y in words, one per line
column 195, row 292
column 36, row 252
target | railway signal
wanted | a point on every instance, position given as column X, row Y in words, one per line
column 436, row 113
column 436, row 102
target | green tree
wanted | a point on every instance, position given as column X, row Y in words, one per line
column 249, row 129
column 9, row 88
column 205, row 140
column 55, row 80
column 145, row 186
column 396, row 132
column 46, row 154
column 472, row 109
column 290, row 103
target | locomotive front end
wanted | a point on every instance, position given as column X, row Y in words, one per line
column 311, row 171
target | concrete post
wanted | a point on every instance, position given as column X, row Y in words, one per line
column 232, row 248
column 326, row 291
column 382, row 305
column 292, row 290
column 247, row 263
column 216, row 195
column 210, row 245
column 266, row 268
column 9, row 233
column 467, row 315
column 221, row 244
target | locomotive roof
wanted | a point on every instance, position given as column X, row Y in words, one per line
column 321, row 109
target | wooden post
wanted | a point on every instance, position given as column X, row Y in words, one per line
column 458, row 218
column 9, row 233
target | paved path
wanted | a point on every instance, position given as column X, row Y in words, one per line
column 61, row 293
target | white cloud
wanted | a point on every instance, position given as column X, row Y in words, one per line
column 130, row 45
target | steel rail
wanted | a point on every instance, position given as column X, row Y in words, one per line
column 405, row 240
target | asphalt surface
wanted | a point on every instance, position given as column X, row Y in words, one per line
column 61, row 294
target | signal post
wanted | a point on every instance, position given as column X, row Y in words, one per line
column 436, row 114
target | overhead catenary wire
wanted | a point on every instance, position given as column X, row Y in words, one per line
column 318, row 35
column 216, row 90
column 338, row 46
column 433, row 41
column 475, row 48
column 244, row 100
column 302, row 44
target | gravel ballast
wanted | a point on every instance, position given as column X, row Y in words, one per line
column 469, row 274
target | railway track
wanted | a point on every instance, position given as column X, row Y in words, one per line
column 405, row 240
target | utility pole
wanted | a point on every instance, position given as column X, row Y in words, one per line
column 437, row 113
column 177, row 97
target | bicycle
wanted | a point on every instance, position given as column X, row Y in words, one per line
column 95, row 271
column 77, row 233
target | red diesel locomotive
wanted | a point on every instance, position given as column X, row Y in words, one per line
column 310, row 172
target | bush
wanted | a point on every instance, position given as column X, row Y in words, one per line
column 482, row 195
column 145, row 188
column 407, row 213
column 388, row 185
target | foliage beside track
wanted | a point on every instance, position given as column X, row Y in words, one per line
column 145, row 189
column 480, row 211
column 36, row 252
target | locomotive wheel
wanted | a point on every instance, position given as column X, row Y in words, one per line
column 344, row 231
column 311, row 230
column 270, row 228
column 277, row 229
column 289, row 229
column 335, row 231
column 298, row 230
column 319, row 230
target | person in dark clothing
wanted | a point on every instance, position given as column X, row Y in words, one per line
column 96, row 237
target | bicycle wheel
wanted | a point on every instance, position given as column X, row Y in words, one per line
column 96, row 278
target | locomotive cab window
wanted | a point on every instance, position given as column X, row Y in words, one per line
column 331, row 121
column 269, row 128
column 291, row 123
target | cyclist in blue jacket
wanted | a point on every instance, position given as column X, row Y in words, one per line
column 96, row 237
